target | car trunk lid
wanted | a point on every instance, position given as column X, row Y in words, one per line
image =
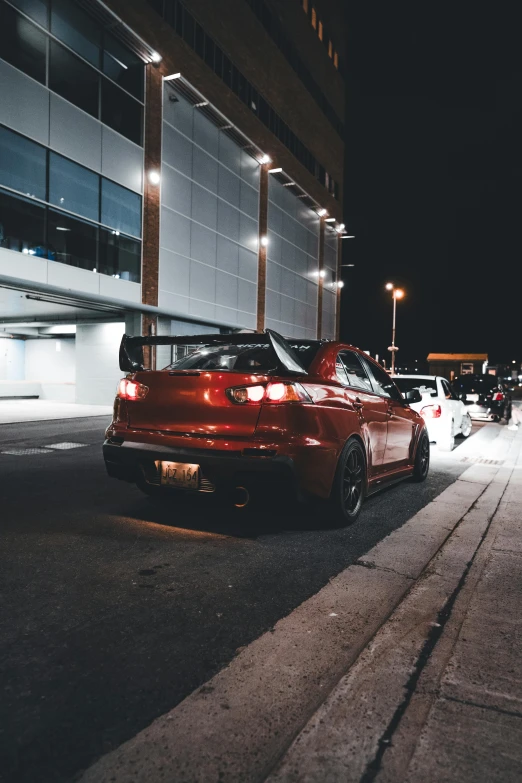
column 194, row 403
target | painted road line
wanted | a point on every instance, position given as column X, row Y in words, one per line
column 239, row 724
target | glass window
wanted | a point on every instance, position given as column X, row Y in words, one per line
column 209, row 52
column 73, row 187
column 305, row 6
column 314, row 18
column 426, row 386
column 188, row 29
column 22, row 164
column 121, row 112
column 383, row 384
column 22, row 225
column 120, row 208
column 36, row 9
column 123, row 67
column 73, row 79
column 341, row 372
column 320, row 30
column 119, row 256
column 71, row 241
column 330, row 48
column 21, row 43
column 77, row 29
column 336, row 60
column 357, row 376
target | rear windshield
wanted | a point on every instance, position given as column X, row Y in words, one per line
column 476, row 383
column 424, row 385
column 259, row 359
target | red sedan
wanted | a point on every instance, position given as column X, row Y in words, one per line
column 243, row 411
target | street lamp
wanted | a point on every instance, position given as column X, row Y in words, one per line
column 397, row 293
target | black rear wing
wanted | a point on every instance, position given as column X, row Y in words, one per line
column 131, row 348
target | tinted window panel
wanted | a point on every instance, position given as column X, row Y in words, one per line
column 123, row 67
column 21, row 43
column 22, row 225
column 120, row 256
column 73, row 79
column 121, row 112
column 78, row 30
column 120, row 208
column 71, row 241
column 73, row 187
column 36, row 9
column 357, row 377
column 383, row 384
column 22, row 164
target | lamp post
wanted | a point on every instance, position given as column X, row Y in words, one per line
column 397, row 293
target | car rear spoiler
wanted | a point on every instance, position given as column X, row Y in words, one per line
column 131, row 348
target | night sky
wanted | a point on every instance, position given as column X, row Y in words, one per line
column 433, row 180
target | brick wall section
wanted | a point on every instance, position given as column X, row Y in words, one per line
column 151, row 193
column 322, row 225
column 287, row 94
column 262, row 251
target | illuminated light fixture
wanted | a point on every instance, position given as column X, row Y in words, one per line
column 347, row 236
column 117, row 277
column 154, row 178
column 116, row 233
column 288, row 184
column 172, row 77
column 94, row 270
column 25, row 251
column 322, row 212
column 155, row 57
column 389, row 286
column 340, row 228
column 200, row 105
column 322, row 274
column 265, row 159
column 330, row 220
column 264, row 241
column 340, row 284
column 398, row 293
column 275, row 171
column 62, row 228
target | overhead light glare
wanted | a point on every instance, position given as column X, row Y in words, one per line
column 330, row 220
column 62, row 228
column 264, row 159
column 340, row 284
column 322, row 274
column 275, row 171
column 264, row 241
column 347, row 236
column 322, row 212
column 155, row 57
column 200, row 105
column 154, row 177
column 172, row 77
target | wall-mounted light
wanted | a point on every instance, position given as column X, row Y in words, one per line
column 322, row 274
column 155, row 57
column 275, row 171
column 264, row 241
column 264, row 159
column 62, row 228
column 322, row 212
column 330, row 220
column 154, row 177
column 340, row 228
column 340, row 284
column 172, row 77
column 346, row 236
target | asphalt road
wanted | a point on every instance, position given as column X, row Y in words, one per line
column 113, row 607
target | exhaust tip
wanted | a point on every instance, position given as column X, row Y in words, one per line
column 241, row 497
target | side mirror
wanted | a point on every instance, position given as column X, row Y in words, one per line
column 413, row 396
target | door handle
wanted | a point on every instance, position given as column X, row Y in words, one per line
column 357, row 404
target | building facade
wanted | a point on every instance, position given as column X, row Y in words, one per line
column 451, row 365
column 168, row 167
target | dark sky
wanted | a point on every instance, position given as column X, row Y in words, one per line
column 433, row 180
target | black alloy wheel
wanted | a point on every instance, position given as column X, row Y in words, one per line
column 349, row 485
column 422, row 458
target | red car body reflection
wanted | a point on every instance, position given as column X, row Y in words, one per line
column 320, row 419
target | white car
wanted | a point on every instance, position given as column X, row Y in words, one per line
column 445, row 415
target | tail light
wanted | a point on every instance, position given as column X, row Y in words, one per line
column 286, row 391
column 132, row 390
column 498, row 397
column 431, row 412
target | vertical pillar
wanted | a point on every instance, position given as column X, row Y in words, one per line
column 151, row 200
column 262, row 248
column 320, row 286
column 338, row 292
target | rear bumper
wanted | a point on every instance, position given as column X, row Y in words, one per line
column 136, row 462
column 485, row 412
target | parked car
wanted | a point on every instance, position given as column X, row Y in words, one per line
column 485, row 396
column 446, row 416
column 318, row 419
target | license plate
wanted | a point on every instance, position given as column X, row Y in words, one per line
column 472, row 397
column 179, row 474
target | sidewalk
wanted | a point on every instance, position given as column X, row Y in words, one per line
column 444, row 705
column 406, row 666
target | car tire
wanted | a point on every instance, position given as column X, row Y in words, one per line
column 349, row 486
column 422, row 459
column 465, row 426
